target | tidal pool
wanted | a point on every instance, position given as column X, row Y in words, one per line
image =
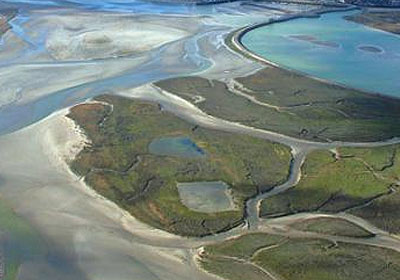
column 206, row 197
column 176, row 147
column 301, row 44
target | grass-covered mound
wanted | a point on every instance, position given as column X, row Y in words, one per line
column 294, row 105
column 363, row 181
column 332, row 226
column 118, row 164
column 269, row 257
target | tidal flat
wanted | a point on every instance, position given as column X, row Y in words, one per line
column 20, row 243
column 118, row 212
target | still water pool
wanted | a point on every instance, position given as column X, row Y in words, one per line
column 175, row 146
column 206, row 197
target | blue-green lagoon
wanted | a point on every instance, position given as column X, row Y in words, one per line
column 332, row 48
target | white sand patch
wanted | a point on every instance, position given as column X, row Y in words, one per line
column 65, row 144
column 95, row 36
column 22, row 83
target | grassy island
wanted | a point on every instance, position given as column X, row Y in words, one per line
column 269, row 257
column 285, row 102
column 119, row 165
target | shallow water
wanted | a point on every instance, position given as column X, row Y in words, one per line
column 176, row 147
column 346, row 64
column 19, row 242
column 206, row 197
column 26, row 45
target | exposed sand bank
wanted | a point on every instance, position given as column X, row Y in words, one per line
column 100, row 240
column 101, row 35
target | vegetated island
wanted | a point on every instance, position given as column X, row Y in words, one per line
column 289, row 103
column 384, row 20
column 138, row 154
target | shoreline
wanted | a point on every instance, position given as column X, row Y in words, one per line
column 234, row 42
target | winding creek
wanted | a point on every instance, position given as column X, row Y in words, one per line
column 83, row 233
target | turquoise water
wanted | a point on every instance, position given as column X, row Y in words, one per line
column 340, row 58
column 175, row 146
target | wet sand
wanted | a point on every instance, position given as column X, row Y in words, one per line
column 96, row 238
column 90, row 237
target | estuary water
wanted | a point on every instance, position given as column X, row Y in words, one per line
column 332, row 48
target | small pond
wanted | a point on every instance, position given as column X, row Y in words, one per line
column 175, row 146
column 206, row 197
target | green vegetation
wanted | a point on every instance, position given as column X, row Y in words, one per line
column 18, row 242
column 383, row 212
column 304, row 107
column 231, row 259
column 319, row 259
column 119, row 166
column 353, row 177
column 299, row 259
column 233, row 269
column 332, row 226
column 385, row 20
column 244, row 247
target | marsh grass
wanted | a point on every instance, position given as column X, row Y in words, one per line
column 119, row 166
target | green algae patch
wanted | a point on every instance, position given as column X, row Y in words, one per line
column 19, row 243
